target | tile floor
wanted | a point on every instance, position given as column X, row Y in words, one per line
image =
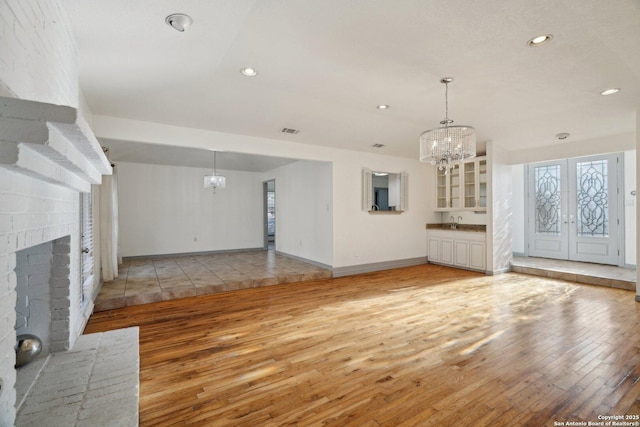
column 142, row 281
column 155, row 279
column 581, row 272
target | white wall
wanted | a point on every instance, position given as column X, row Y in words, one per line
column 358, row 237
column 518, row 209
column 364, row 238
column 567, row 150
column 304, row 210
column 630, row 203
column 166, row 210
column 499, row 210
column 637, row 142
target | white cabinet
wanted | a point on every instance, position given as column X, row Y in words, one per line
column 477, row 255
column 464, row 187
column 448, row 191
column 462, row 249
column 474, row 178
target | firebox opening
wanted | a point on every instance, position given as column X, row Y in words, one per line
column 42, row 304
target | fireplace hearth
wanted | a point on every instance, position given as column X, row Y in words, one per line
column 49, row 157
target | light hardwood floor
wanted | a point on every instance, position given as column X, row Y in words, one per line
column 426, row 345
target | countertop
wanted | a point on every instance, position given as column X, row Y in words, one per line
column 479, row 228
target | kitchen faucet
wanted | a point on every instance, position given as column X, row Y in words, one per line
column 455, row 224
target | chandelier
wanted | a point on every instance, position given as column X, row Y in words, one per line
column 214, row 181
column 447, row 146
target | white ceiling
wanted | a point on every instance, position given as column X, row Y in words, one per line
column 140, row 152
column 324, row 66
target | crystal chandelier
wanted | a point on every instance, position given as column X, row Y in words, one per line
column 447, row 146
column 214, row 181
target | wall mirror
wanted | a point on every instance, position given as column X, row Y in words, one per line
column 384, row 192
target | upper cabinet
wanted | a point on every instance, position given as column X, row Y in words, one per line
column 448, row 192
column 464, row 187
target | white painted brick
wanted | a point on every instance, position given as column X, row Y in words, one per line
column 12, row 203
column 11, row 281
column 6, row 223
column 37, row 61
column 6, row 263
column 19, row 222
column 59, row 336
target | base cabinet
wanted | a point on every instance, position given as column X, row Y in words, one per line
column 477, row 256
column 457, row 248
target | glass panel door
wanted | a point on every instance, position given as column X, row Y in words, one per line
column 482, row 183
column 573, row 209
column 442, row 189
column 470, row 199
column 547, row 210
column 454, row 187
column 593, row 219
column 547, row 199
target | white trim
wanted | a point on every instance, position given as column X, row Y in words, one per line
column 377, row 266
column 308, row 261
column 181, row 254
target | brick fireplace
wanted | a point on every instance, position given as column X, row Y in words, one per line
column 48, row 157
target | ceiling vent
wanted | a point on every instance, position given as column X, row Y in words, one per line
column 378, row 145
column 291, row 131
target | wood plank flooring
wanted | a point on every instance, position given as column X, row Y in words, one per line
column 418, row 346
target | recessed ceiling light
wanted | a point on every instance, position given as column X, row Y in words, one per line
column 249, row 72
column 179, row 21
column 610, row 91
column 539, row 40
column 562, row 135
column 382, row 107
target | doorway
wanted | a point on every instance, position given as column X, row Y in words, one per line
column 269, row 193
column 574, row 210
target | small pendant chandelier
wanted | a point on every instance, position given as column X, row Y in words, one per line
column 214, row 181
column 447, row 146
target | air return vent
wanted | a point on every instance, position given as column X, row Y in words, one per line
column 291, row 131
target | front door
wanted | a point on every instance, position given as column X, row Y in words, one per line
column 573, row 209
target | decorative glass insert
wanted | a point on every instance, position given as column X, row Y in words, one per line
column 592, row 212
column 547, row 189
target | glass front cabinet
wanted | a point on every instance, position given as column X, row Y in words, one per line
column 464, row 187
column 448, row 189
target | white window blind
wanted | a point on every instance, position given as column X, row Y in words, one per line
column 86, row 248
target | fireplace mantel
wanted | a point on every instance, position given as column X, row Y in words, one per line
column 50, row 142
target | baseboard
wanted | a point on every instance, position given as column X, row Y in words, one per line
column 521, row 254
column 223, row 251
column 496, row 272
column 377, row 266
column 458, row 267
column 308, row 261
